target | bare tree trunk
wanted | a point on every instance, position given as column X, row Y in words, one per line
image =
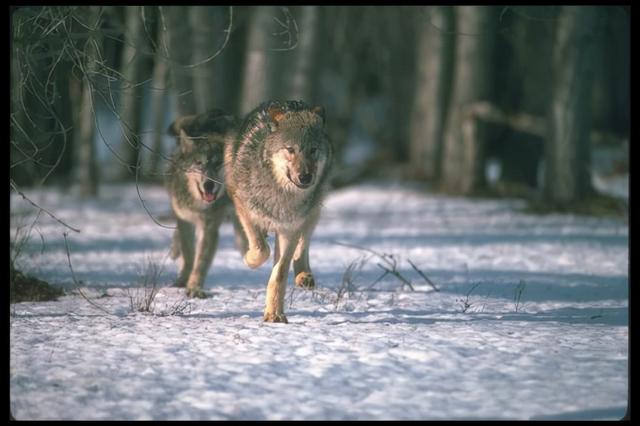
column 567, row 176
column 463, row 166
column 260, row 64
column 178, row 48
column 301, row 82
column 433, row 84
column 87, row 174
column 158, row 100
column 131, row 89
column 22, row 170
column 64, row 132
column 208, row 25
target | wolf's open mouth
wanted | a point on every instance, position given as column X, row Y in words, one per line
column 208, row 191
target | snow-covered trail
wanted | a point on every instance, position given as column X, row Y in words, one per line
column 531, row 320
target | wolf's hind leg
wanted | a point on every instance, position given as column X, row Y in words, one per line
column 184, row 233
column 301, row 269
column 206, row 245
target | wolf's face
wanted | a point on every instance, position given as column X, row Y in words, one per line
column 298, row 152
column 204, row 169
column 200, row 156
column 202, row 162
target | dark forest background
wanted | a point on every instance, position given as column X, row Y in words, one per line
column 468, row 99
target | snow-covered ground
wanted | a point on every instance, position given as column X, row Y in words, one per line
column 530, row 320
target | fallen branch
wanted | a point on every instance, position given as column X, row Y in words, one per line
column 387, row 258
column 397, row 275
column 423, row 275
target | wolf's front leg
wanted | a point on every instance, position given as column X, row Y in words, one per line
column 258, row 251
column 301, row 268
column 206, row 245
column 240, row 238
column 184, row 238
column 277, row 287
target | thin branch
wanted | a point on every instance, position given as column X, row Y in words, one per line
column 167, row 57
column 397, row 274
column 227, row 31
column 77, row 283
column 15, row 188
column 423, row 275
column 142, row 199
column 290, row 21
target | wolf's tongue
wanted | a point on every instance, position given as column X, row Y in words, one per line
column 209, row 196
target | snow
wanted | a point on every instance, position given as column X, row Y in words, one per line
column 381, row 351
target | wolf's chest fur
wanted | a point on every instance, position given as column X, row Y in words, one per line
column 275, row 208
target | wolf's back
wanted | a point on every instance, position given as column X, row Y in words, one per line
column 257, row 125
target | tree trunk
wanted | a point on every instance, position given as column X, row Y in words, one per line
column 178, row 50
column 567, row 176
column 260, row 64
column 131, row 89
column 158, row 102
column 87, row 174
column 22, row 169
column 208, row 25
column 463, row 167
column 63, row 129
column 301, row 82
column 433, row 83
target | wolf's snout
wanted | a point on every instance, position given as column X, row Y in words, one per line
column 305, row 179
column 208, row 186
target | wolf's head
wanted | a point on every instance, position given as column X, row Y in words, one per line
column 297, row 147
column 200, row 156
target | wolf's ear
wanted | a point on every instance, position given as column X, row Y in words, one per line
column 181, row 123
column 185, row 142
column 276, row 113
column 319, row 111
column 172, row 130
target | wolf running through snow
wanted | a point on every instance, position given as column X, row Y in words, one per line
column 276, row 173
column 195, row 182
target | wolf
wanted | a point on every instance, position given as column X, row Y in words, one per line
column 277, row 173
column 195, row 182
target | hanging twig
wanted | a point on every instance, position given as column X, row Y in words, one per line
column 77, row 283
column 13, row 185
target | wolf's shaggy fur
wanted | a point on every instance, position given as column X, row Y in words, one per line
column 276, row 173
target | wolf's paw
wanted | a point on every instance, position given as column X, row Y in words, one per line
column 305, row 280
column 254, row 258
column 273, row 317
column 196, row 293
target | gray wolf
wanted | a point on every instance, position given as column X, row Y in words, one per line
column 276, row 173
column 195, row 182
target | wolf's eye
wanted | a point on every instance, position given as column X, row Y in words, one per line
column 290, row 149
